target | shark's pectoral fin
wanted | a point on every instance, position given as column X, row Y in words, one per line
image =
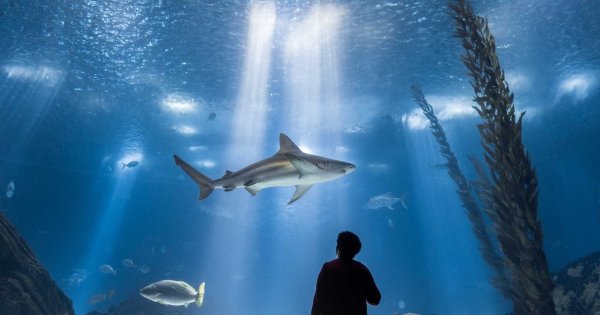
column 252, row 191
column 300, row 191
column 303, row 167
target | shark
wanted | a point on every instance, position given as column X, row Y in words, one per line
column 288, row 167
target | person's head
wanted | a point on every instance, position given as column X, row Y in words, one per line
column 348, row 245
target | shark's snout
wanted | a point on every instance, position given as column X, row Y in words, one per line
column 349, row 168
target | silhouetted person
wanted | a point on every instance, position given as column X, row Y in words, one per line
column 344, row 285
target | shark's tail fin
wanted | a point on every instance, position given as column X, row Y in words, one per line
column 123, row 165
column 200, row 298
column 206, row 184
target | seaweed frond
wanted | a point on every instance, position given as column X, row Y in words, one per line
column 486, row 246
column 514, row 188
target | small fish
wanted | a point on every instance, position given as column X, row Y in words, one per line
column 128, row 263
column 97, row 298
column 390, row 223
column 130, row 164
column 79, row 276
column 212, row 116
column 144, row 269
column 401, row 304
column 108, row 269
column 111, row 293
column 10, row 189
column 171, row 292
column 386, row 200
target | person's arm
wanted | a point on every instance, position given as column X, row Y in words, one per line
column 373, row 296
column 318, row 299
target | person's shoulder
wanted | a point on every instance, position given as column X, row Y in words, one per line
column 330, row 263
column 360, row 265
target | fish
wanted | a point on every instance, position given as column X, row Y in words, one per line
column 10, row 189
column 288, row 167
column 175, row 293
column 128, row 263
column 386, row 200
column 97, row 298
column 130, row 164
column 108, row 269
column 212, row 116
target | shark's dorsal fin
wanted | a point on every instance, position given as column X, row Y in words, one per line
column 300, row 191
column 286, row 145
column 227, row 173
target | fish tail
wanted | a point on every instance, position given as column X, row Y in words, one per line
column 206, row 184
column 123, row 165
column 200, row 298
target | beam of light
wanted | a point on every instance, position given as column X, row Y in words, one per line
column 311, row 57
column 28, row 91
column 107, row 230
column 179, row 104
column 252, row 103
column 245, row 145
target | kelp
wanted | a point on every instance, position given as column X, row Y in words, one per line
column 513, row 189
column 474, row 213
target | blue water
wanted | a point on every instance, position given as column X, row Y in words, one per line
column 87, row 85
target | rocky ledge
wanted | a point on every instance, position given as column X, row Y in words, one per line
column 577, row 287
column 25, row 286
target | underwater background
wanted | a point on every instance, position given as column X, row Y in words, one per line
column 87, row 86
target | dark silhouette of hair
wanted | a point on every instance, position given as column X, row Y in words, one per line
column 348, row 244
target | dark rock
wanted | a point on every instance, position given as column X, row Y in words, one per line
column 25, row 286
column 141, row 306
column 577, row 287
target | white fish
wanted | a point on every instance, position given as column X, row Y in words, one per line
column 386, row 200
column 171, row 292
column 10, row 189
column 144, row 268
column 108, row 269
column 128, row 263
column 390, row 223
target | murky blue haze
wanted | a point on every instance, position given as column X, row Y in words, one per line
column 87, row 85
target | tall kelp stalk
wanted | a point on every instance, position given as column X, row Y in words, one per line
column 475, row 215
column 514, row 192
